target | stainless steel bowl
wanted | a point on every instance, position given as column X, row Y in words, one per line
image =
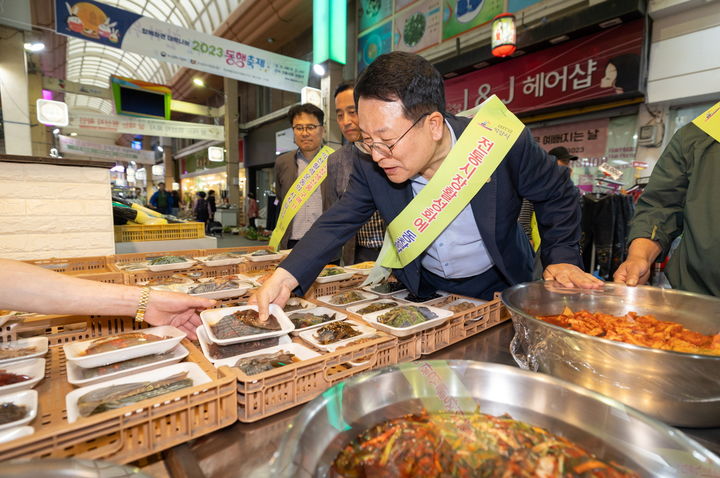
column 678, row 388
column 603, row 426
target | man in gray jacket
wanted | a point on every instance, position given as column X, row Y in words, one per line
column 366, row 244
column 307, row 124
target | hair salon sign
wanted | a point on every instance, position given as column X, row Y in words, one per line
column 604, row 64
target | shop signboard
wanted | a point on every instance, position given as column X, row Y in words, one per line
column 372, row 12
column 584, row 139
column 418, row 27
column 81, row 120
column 374, row 43
column 98, row 151
column 621, row 144
column 601, row 65
column 93, row 21
column 460, row 16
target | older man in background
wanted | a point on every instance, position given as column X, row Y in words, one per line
column 366, row 244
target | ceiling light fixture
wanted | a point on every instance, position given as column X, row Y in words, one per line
column 160, row 149
column 56, row 131
column 199, row 82
column 319, row 69
column 34, row 46
column 73, row 133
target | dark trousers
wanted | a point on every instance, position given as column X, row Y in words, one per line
column 482, row 286
column 605, row 223
column 252, row 222
column 363, row 254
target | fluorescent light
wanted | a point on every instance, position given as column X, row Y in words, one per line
column 160, row 149
column 73, row 133
column 610, row 23
column 559, row 39
column 56, row 131
column 34, row 46
column 319, row 69
column 199, row 82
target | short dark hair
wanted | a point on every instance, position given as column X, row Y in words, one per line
column 307, row 108
column 406, row 77
column 345, row 85
column 202, row 194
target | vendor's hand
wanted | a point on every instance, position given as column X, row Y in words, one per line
column 275, row 290
column 634, row 271
column 178, row 310
column 569, row 275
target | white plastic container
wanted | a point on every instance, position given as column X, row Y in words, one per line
column 39, row 343
column 442, row 316
column 75, row 351
column 310, row 336
column 205, row 346
column 213, row 316
column 26, row 398
column 194, row 372
column 33, row 368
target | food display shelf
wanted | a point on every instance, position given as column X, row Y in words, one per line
column 129, row 433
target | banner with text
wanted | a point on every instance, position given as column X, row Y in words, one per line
column 88, row 149
column 146, row 126
column 584, row 139
column 110, row 26
column 603, row 64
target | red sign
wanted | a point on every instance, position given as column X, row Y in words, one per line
column 600, row 65
column 584, row 139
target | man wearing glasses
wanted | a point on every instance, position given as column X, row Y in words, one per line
column 401, row 108
column 307, row 124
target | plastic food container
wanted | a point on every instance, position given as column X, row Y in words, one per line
column 33, row 368
column 442, row 316
column 213, row 316
column 39, row 343
column 26, row 398
column 205, row 346
column 194, row 372
column 317, row 311
column 310, row 337
column 75, row 351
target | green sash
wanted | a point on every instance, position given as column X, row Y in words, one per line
column 300, row 191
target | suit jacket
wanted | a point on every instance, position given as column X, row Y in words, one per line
column 286, row 172
column 340, row 165
column 526, row 172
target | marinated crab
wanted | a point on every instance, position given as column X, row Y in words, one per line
column 244, row 322
column 334, row 332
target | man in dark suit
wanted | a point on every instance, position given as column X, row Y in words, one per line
column 401, row 109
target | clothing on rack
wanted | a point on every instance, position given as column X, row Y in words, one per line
column 604, row 228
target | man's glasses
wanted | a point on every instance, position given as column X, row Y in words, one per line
column 382, row 148
column 300, row 128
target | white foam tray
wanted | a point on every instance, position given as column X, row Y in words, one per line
column 318, row 311
column 334, row 278
column 356, row 308
column 213, row 316
column 442, row 316
column 309, row 337
column 14, row 433
column 40, row 344
column 220, row 262
column 366, row 296
column 299, row 350
column 33, row 368
column 74, row 351
column 402, row 295
column 205, row 345
column 266, row 257
column 27, row 398
column 175, row 266
column 75, row 373
column 194, row 372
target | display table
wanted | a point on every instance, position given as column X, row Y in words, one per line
column 245, row 450
column 207, row 242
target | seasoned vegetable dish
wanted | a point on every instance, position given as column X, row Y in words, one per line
column 467, row 445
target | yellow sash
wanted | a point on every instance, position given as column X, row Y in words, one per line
column 709, row 121
column 467, row 168
column 300, row 191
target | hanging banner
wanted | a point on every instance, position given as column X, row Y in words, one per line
column 110, row 26
column 146, row 126
column 584, row 139
column 99, row 151
column 601, row 65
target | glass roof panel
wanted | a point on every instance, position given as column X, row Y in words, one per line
column 92, row 63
